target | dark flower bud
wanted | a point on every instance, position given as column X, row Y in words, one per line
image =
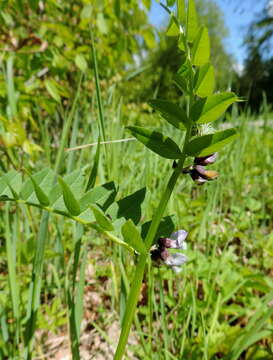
column 159, row 254
column 206, row 160
column 164, row 254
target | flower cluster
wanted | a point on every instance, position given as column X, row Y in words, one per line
column 175, row 241
column 198, row 172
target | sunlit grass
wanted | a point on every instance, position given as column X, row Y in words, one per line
column 230, row 250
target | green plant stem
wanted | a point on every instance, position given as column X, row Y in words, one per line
column 139, row 273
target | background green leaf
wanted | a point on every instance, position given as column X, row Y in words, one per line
column 52, row 89
column 81, row 62
column 181, row 11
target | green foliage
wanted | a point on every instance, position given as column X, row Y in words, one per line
column 155, row 141
column 211, row 143
column 132, row 236
column 41, row 196
column 192, row 22
column 201, row 48
column 129, row 207
column 42, row 58
column 211, row 108
column 103, row 222
column 205, row 82
column 70, row 201
column 160, row 65
column 173, row 113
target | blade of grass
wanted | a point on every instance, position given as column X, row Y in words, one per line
column 75, row 294
column 13, row 283
column 97, row 82
column 94, row 171
column 164, row 321
column 74, row 134
column 185, row 327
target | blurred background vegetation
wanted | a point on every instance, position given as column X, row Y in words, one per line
column 46, row 45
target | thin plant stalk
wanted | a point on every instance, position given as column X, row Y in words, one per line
column 164, row 322
column 13, row 282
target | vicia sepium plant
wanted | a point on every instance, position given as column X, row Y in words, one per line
column 195, row 79
column 75, row 197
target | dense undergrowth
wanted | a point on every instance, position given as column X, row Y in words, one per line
column 198, row 314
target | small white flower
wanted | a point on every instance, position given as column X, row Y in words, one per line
column 176, row 259
column 180, row 237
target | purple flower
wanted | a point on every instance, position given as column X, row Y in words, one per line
column 176, row 240
column 175, row 259
column 206, row 160
column 197, row 171
column 200, row 175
